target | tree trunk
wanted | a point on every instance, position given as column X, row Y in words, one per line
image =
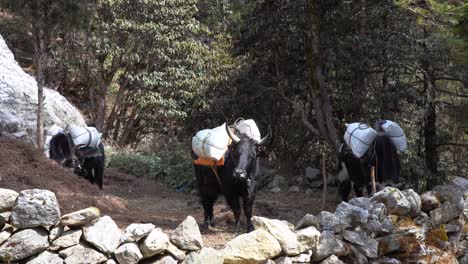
column 101, row 101
column 39, row 61
column 317, row 79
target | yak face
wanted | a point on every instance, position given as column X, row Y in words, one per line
column 244, row 156
column 60, row 151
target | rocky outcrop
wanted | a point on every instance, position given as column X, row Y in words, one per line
column 391, row 227
column 18, row 102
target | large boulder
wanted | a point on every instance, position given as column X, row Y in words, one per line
column 414, row 200
column 68, row 239
column 394, row 200
column 7, row 199
column 254, row 247
column 329, row 221
column 81, row 217
column 35, row 208
column 444, row 213
column 128, row 253
column 82, row 254
column 328, row 246
column 351, row 214
column 46, row 257
column 308, row 238
column 281, row 231
column 104, row 234
column 135, row 232
column 18, row 102
column 23, row 244
column 306, row 221
column 187, row 235
column 206, row 255
column 156, row 242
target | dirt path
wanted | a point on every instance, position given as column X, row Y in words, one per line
column 153, row 202
column 128, row 199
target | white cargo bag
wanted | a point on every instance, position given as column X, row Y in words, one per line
column 395, row 133
column 85, row 136
column 359, row 137
column 211, row 143
column 249, row 128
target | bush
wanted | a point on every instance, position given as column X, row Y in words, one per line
column 172, row 166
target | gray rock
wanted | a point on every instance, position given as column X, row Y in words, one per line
column 81, row 217
column 361, row 202
column 353, row 237
column 82, row 254
column 308, row 238
column 387, row 225
column 135, row 232
column 328, row 246
column 128, row 253
column 429, row 201
column 254, row 247
column 277, row 181
column 451, row 194
column 306, row 221
column 332, row 260
column 294, row 189
column 68, row 239
column 280, row 231
column 373, row 224
column 23, row 244
column 379, row 210
column 312, row 174
column 46, row 257
column 357, row 257
column 275, row 190
column 156, row 242
column 18, row 101
column 4, row 235
column 387, row 260
column 367, row 245
column 111, row 261
column 329, row 221
column 35, row 208
column 187, row 235
column 6, row 215
column 461, row 182
column 301, row 258
column 206, row 255
column 55, row 232
column 394, row 200
column 452, row 228
column 176, row 252
column 7, row 197
column 351, row 214
column 104, row 234
column 414, row 200
column 160, row 260
column 388, row 244
column 443, row 214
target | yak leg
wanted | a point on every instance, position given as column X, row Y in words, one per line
column 344, row 189
column 99, row 175
column 208, row 203
column 248, row 205
column 234, row 203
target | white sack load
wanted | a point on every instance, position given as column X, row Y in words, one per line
column 249, row 128
column 359, row 137
column 86, row 136
column 54, row 130
column 395, row 133
column 211, row 143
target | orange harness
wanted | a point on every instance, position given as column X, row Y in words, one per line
column 213, row 165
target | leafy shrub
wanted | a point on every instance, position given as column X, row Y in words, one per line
column 172, row 166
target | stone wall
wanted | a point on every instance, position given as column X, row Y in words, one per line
column 391, row 227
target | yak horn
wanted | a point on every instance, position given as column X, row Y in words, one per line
column 266, row 138
column 234, row 138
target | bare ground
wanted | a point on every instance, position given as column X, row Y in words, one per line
column 128, row 199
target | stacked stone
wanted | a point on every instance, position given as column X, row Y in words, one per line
column 391, row 227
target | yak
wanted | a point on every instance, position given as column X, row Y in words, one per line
column 236, row 179
column 86, row 162
column 382, row 154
